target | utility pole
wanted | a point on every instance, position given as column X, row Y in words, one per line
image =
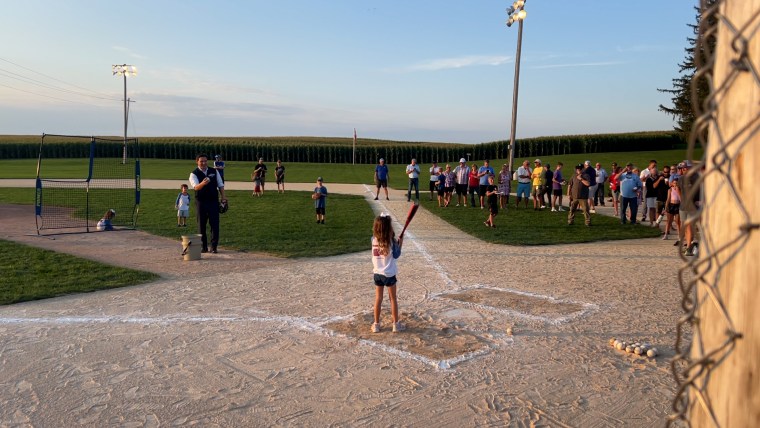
column 517, row 14
column 125, row 70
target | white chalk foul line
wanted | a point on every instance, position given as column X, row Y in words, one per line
column 297, row 322
column 420, row 247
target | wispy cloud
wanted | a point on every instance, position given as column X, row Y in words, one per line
column 580, row 64
column 452, row 63
column 129, row 52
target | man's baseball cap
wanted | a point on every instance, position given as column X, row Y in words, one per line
column 217, row 156
column 382, row 160
column 319, row 179
column 579, row 166
column 462, row 160
column 687, row 164
column 537, row 161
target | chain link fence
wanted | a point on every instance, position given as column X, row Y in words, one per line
column 697, row 359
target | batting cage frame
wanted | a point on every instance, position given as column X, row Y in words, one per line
column 79, row 195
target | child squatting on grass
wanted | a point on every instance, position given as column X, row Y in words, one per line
column 105, row 222
column 385, row 250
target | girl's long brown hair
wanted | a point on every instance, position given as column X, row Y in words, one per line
column 383, row 232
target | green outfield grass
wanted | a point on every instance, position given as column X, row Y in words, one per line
column 32, row 273
column 526, row 227
column 279, row 224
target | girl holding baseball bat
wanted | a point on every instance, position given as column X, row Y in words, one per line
column 385, row 250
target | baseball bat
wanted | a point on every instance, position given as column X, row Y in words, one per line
column 409, row 217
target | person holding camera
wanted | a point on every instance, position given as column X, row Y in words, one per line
column 578, row 193
column 630, row 188
column 652, row 185
column 208, row 184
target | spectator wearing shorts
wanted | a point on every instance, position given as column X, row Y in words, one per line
column 182, row 205
column 473, row 183
column 492, row 193
column 557, row 181
column 652, row 182
column 450, row 183
column 320, row 196
column 523, row 183
column 381, row 178
column 262, row 173
column 538, row 184
column 505, row 186
column 578, row 192
column 279, row 176
column 483, row 174
column 462, row 172
column 615, row 188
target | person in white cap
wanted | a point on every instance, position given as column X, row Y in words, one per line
column 462, row 172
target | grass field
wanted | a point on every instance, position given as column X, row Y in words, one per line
column 31, row 274
column 279, row 224
column 526, row 227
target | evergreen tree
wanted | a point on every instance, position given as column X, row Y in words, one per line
column 682, row 109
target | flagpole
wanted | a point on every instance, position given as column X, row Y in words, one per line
column 354, row 154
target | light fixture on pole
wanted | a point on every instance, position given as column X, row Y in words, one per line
column 517, row 14
column 125, row 70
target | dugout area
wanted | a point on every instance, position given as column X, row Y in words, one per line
column 74, row 200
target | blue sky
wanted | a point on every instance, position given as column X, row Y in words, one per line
column 415, row 70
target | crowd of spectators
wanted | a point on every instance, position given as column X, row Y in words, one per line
column 659, row 195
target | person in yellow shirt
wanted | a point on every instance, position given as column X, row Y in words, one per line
column 538, row 184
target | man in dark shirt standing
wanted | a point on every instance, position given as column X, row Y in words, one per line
column 261, row 172
column 578, row 192
column 205, row 181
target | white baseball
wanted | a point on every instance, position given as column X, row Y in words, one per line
column 652, row 353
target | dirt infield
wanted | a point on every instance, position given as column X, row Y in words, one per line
column 252, row 340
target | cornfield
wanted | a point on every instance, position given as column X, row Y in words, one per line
column 340, row 150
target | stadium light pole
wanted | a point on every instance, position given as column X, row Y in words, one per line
column 124, row 70
column 517, row 14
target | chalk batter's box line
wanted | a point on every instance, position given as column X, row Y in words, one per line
column 587, row 307
column 297, row 322
column 440, row 364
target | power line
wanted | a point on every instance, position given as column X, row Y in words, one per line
column 45, row 96
column 22, row 78
column 53, row 78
